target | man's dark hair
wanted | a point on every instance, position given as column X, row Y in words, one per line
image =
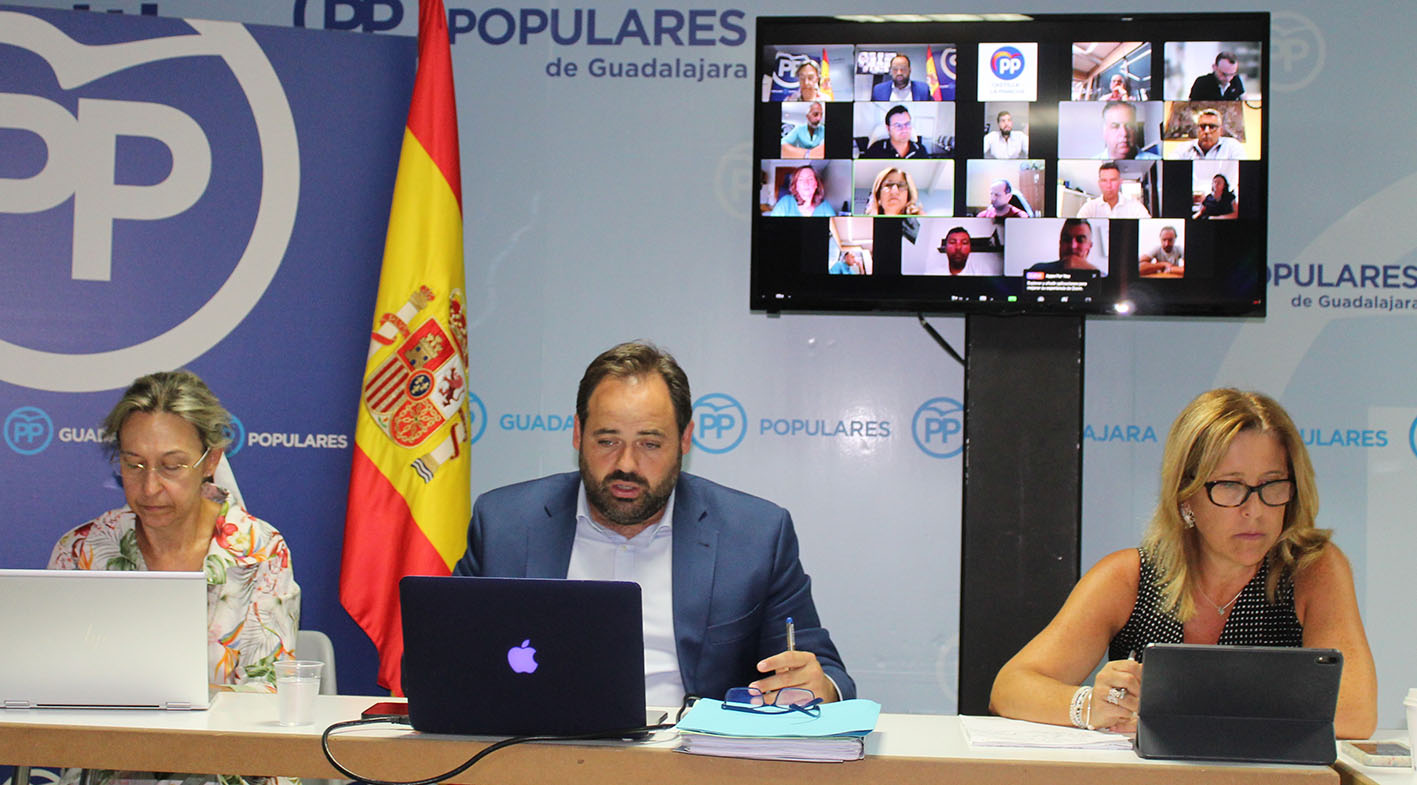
column 957, row 230
column 1227, row 56
column 895, row 110
column 901, row 54
column 633, row 359
column 1070, row 223
column 1109, row 165
column 1000, row 116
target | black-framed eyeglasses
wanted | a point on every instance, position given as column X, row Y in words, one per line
column 787, row 699
column 1232, row 493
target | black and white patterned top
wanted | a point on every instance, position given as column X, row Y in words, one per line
column 1253, row 621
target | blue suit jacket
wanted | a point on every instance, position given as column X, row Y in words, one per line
column 737, row 576
column 919, row 91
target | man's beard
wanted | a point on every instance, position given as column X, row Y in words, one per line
column 650, row 502
column 901, row 82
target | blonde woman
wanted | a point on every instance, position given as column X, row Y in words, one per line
column 1231, row 556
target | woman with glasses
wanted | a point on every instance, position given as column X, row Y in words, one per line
column 893, row 193
column 166, row 436
column 1231, row 556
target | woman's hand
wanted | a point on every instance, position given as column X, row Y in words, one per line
column 1116, row 696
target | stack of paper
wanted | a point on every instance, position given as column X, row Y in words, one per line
column 1002, row 732
column 837, row 733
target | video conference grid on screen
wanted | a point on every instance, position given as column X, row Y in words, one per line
column 1079, row 163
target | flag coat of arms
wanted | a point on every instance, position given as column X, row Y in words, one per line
column 409, row 497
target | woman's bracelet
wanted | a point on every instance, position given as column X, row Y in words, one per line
column 1083, row 697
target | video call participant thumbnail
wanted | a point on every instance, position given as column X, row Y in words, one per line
column 805, row 139
column 1167, row 257
column 900, row 141
column 810, row 85
column 957, row 247
column 805, row 196
column 1121, row 135
column 1211, row 143
column 1001, row 198
column 1004, row 141
column 850, row 263
column 1074, row 248
column 894, row 193
column 719, row 569
column 1112, row 203
column 1223, row 83
column 900, row 87
column 1221, row 203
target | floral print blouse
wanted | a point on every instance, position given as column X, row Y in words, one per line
column 253, row 602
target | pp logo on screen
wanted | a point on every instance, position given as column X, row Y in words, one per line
column 28, row 430
column 79, row 167
column 784, row 75
column 938, row 427
column 478, row 414
column 236, row 435
column 719, row 423
column 1006, row 62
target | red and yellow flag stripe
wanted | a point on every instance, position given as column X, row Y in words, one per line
column 409, row 483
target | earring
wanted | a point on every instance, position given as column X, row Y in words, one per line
column 1188, row 516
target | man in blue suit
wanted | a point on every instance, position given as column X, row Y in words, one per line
column 719, row 569
column 900, row 87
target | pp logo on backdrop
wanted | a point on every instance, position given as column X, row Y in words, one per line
column 938, row 427
column 477, row 418
column 236, row 433
column 91, row 106
column 719, row 423
column 1298, row 52
column 366, row 16
column 28, row 430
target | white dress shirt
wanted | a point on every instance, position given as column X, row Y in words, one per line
column 1127, row 207
column 600, row 554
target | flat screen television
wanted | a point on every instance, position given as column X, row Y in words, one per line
column 1010, row 163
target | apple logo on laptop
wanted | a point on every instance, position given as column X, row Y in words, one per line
column 522, row 658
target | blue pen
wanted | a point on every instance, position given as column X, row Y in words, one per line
column 791, row 636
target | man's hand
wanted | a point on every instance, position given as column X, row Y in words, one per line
column 795, row 669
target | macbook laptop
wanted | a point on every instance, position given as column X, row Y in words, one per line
column 104, row 640
column 522, row 656
column 1256, row 704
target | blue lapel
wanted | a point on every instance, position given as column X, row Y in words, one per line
column 695, row 551
column 550, row 538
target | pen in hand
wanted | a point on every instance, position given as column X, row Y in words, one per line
column 791, row 635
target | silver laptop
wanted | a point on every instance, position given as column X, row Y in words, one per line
column 97, row 639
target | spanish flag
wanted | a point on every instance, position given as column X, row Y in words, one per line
column 409, row 486
column 932, row 77
column 824, row 87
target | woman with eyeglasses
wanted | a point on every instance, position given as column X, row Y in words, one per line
column 166, row 436
column 1231, row 556
column 893, row 193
